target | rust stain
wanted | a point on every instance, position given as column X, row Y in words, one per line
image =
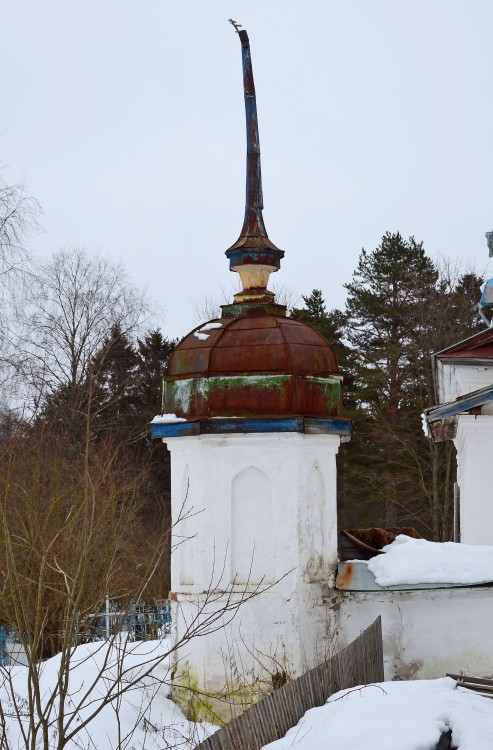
column 277, row 395
column 345, row 578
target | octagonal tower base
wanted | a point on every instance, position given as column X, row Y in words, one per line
column 254, row 551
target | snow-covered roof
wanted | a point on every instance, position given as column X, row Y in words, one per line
column 417, row 563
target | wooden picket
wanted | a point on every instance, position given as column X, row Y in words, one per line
column 359, row 663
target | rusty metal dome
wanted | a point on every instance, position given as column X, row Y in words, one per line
column 253, row 344
column 256, row 366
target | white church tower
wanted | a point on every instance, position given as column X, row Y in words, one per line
column 257, row 404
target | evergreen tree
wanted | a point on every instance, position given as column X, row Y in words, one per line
column 401, row 308
column 116, row 401
column 330, row 324
column 153, row 352
column 382, row 303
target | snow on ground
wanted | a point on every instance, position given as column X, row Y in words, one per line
column 409, row 560
column 143, row 717
column 395, row 716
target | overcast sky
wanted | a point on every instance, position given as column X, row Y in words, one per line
column 126, row 120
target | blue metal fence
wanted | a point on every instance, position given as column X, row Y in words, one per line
column 8, row 637
column 142, row 623
column 3, row 646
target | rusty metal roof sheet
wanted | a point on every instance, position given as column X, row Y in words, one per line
column 477, row 346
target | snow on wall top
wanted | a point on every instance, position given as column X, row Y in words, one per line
column 167, row 419
column 412, row 561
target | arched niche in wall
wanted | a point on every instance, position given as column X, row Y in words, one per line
column 185, row 533
column 252, row 544
column 316, row 525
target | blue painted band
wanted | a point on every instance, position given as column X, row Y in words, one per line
column 229, row 425
column 241, row 257
column 175, row 429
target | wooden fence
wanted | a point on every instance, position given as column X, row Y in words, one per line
column 359, row 663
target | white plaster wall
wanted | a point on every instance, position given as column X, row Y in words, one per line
column 252, row 551
column 473, row 378
column 252, row 505
column 425, row 633
column 446, row 382
column 270, row 633
column 474, row 443
column 456, row 380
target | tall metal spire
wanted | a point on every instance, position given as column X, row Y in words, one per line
column 253, row 255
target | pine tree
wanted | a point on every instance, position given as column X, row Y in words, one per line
column 116, row 401
column 153, row 352
column 400, row 309
column 330, row 324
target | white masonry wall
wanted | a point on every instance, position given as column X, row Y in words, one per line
column 252, row 511
column 426, row 633
column 474, row 443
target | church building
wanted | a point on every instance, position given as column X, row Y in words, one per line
column 464, row 380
